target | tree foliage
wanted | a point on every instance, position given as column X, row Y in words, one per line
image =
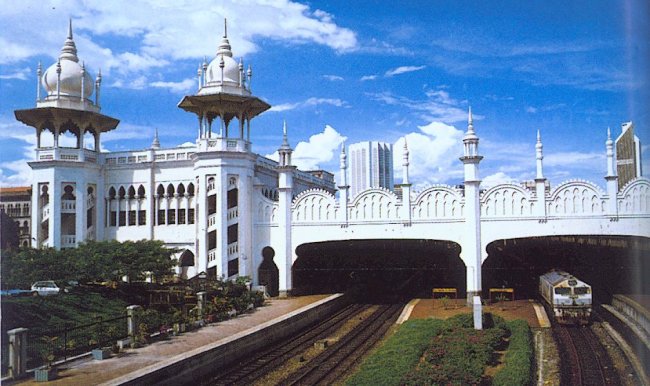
column 91, row 261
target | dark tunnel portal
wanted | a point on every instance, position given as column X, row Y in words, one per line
column 378, row 268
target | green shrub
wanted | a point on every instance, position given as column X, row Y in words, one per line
column 398, row 355
column 517, row 369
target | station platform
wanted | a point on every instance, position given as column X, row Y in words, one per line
column 509, row 310
column 91, row 372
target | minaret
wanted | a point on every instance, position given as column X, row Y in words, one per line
column 285, row 196
column 344, row 187
column 471, row 248
column 611, row 177
column 69, row 176
column 223, row 94
column 540, row 180
column 406, row 186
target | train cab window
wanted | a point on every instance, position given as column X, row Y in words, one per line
column 563, row 291
column 573, row 282
column 581, row 290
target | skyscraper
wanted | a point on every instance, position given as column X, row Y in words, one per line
column 628, row 155
column 371, row 166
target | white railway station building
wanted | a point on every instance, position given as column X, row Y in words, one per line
column 225, row 207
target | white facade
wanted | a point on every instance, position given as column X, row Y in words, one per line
column 198, row 199
column 371, row 166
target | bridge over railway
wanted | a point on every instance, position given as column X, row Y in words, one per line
column 467, row 216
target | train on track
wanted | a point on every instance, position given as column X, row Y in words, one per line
column 566, row 297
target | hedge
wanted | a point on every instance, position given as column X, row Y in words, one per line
column 517, row 369
column 398, row 355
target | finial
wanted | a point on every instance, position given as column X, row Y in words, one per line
column 609, row 133
column 470, row 121
column 225, row 27
column 70, row 28
column 284, row 128
column 69, row 50
column 83, row 67
column 156, row 142
column 99, row 75
column 539, row 136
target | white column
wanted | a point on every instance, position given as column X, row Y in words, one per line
column 222, row 221
column 540, row 180
column 344, row 187
column 611, row 178
column 80, row 215
column 284, row 253
column 245, row 204
column 36, row 214
column 55, row 213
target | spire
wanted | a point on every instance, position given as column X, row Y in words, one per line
column 609, row 146
column 343, row 157
column 69, row 50
column 405, row 164
column 539, row 156
column 538, row 145
column 284, row 152
column 343, row 164
column 224, row 47
column 156, row 142
column 470, row 122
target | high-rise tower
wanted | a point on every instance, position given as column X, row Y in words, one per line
column 371, row 166
column 66, row 179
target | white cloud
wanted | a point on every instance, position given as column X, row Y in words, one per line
column 438, row 106
column 531, row 109
column 496, row 179
column 433, row 154
column 368, row 77
column 309, row 102
column 333, row 78
column 403, row 70
column 178, row 87
column 319, row 150
column 179, row 30
column 21, row 74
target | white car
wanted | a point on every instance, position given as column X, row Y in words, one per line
column 45, row 288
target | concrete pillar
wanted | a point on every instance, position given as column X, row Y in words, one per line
column 245, row 203
column 17, row 352
column 406, row 204
column 55, row 213
column 80, row 215
column 201, row 300
column 285, row 250
column 132, row 322
column 222, row 222
column 202, row 225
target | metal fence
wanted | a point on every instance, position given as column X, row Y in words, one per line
column 46, row 347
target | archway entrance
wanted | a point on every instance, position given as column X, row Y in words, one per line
column 379, row 269
column 610, row 264
column 268, row 273
column 185, row 261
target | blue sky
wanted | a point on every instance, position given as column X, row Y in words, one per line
column 362, row 70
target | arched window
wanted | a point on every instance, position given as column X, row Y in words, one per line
column 141, row 191
column 131, row 192
column 160, row 191
column 170, row 190
column 111, row 193
column 68, row 193
column 190, row 189
column 121, row 192
column 181, row 190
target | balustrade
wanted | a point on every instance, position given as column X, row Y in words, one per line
column 68, row 206
column 45, row 212
column 233, row 213
column 68, row 241
column 212, row 254
column 233, row 249
column 212, row 220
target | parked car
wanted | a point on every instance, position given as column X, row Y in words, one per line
column 46, row 288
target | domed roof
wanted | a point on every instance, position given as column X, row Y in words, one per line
column 71, row 72
column 231, row 69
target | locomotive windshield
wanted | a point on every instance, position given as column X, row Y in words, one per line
column 563, row 291
column 581, row 290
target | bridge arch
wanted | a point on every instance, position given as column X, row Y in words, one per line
column 378, row 267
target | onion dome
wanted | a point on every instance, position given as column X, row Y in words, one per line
column 71, row 72
column 223, row 60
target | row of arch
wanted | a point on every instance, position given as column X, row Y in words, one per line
column 161, row 191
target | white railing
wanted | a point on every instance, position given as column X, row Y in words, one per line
column 225, row 144
column 233, row 249
column 212, row 220
column 45, row 243
column 233, row 213
column 68, row 206
column 90, row 202
column 212, row 254
column 68, row 241
column 211, row 187
column 45, row 212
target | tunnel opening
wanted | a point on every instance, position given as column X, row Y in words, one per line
column 378, row 269
column 610, row 264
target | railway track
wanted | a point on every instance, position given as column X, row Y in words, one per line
column 276, row 355
column 334, row 362
column 586, row 361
